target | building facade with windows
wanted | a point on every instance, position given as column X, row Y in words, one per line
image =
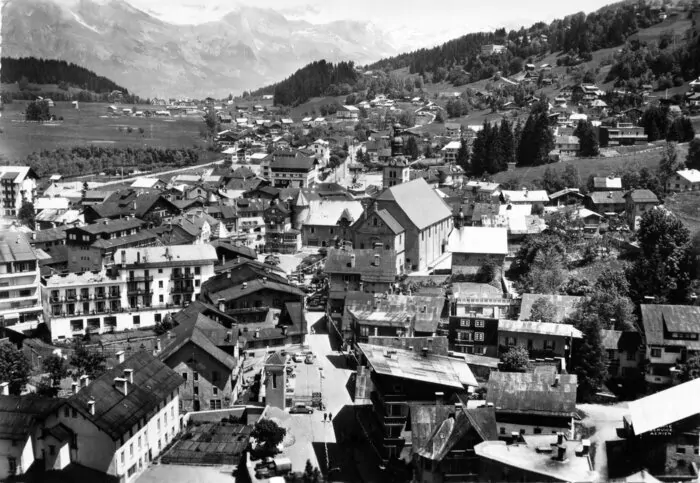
column 115, row 425
column 205, row 354
column 118, row 423
column 541, row 339
column 671, row 336
column 17, row 186
column 20, row 293
column 140, row 290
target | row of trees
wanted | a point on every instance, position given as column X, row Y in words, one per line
column 535, row 141
column 80, row 160
column 658, row 124
column 493, row 149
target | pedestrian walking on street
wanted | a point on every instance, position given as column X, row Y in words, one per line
column 330, row 416
column 324, row 417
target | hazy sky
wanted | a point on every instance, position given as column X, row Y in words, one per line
column 433, row 20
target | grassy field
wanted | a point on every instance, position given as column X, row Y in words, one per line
column 91, row 126
column 588, row 166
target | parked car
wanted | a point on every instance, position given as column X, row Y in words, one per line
column 301, row 409
column 309, row 359
column 298, row 358
column 317, row 302
column 272, row 260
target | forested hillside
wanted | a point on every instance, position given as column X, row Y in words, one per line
column 314, row 80
column 49, row 71
column 576, row 36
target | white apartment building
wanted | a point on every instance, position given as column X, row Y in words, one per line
column 139, row 290
column 449, row 152
column 20, row 294
column 17, row 185
column 118, row 423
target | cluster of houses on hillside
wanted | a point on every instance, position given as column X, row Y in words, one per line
column 194, row 282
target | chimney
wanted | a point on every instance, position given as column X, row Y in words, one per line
column 74, row 388
column 458, row 406
column 84, row 380
column 91, row 406
column 586, row 443
column 410, row 347
column 121, row 385
column 352, row 261
column 245, row 285
column 439, row 398
column 561, row 453
column 120, row 357
column 264, row 280
column 556, row 381
column 5, row 388
column 221, row 302
column 514, row 437
column 170, row 335
column 257, row 333
column 560, row 438
column 228, row 274
column 158, row 348
column 129, row 375
column 377, row 259
column 284, row 330
column 424, row 351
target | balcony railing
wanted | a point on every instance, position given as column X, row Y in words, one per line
column 183, row 289
column 139, row 291
column 181, row 276
column 248, row 310
column 140, row 278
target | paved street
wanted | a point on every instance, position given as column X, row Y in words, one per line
column 310, row 433
column 186, row 474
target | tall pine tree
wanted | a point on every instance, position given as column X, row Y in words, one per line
column 463, row 156
column 526, row 143
column 507, row 145
column 543, row 140
column 588, row 141
column 479, row 151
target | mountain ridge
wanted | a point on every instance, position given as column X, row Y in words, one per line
column 247, row 48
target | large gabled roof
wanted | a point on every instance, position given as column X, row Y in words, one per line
column 452, row 429
column 18, row 414
column 479, row 240
column 15, row 247
column 412, row 366
column 419, row 202
column 116, row 413
column 675, row 318
column 206, row 334
column 664, row 408
column 244, row 289
column 532, row 393
column 371, row 265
